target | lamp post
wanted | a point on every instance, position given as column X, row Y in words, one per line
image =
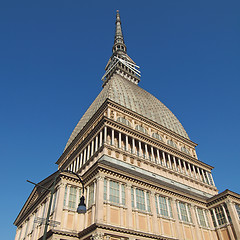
column 81, row 206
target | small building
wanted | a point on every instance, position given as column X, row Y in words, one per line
column 142, row 177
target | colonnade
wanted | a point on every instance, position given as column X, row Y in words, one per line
column 143, row 150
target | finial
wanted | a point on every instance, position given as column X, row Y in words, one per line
column 119, row 44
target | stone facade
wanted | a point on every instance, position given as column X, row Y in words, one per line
column 141, row 173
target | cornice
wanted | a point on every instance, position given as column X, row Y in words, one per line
column 151, row 122
column 113, row 148
column 222, row 196
column 148, row 183
column 121, row 230
column 155, row 142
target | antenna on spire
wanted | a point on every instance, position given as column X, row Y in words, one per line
column 120, row 63
column 119, row 44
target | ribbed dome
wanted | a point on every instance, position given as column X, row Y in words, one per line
column 131, row 96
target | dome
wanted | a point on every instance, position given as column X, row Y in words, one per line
column 130, row 95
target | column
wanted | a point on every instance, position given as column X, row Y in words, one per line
column 189, row 167
column 88, row 151
column 180, row 165
column 119, row 140
column 77, row 166
column 168, row 207
column 203, row 176
column 152, row 153
column 154, row 212
column 196, row 221
column 105, row 135
column 74, row 165
column 215, row 217
column 129, row 206
column 96, row 143
column 112, row 138
column 170, row 162
column 126, row 143
column 133, row 145
column 140, row 148
column 227, row 220
column 84, row 155
column 212, row 179
column 175, row 216
column 101, row 133
column 175, row 164
column 185, row 168
column 92, row 147
column 208, row 179
column 234, row 217
column 199, row 174
column 158, row 157
column 164, row 159
column 146, row 151
column 194, row 170
column 99, row 203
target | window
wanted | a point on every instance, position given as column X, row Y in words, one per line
column 141, row 129
column 238, row 209
column 91, row 195
column 71, row 198
column 114, row 192
column 202, row 218
column 171, row 143
column 124, row 121
column 157, row 136
column 184, row 213
column 140, row 199
column 54, row 202
column 183, row 149
column 163, row 206
column 218, row 215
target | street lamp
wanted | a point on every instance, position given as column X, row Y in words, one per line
column 81, row 206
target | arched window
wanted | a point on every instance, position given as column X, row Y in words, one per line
column 157, row 136
column 124, row 121
column 141, row 129
column 171, row 143
column 183, row 149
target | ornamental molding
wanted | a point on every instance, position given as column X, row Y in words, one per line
column 161, row 145
column 161, row 190
column 158, row 166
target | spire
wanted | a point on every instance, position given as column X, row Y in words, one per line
column 120, row 63
column 119, row 44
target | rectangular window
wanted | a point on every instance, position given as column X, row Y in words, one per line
column 220, row 215
column 123, row 194
column 105, row 190
column 238, row 210
column 184, row 213
column 72, row 198
column 140, row 199
column 91, row 195
column 54, row 202
column 163, row 206
column 202, row 217
column 65, row 196
column 113, row 192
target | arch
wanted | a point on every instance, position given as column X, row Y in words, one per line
column 171, row 143
column 124, row 121
column 141, row 129
column 183, row 149
column 157, row 136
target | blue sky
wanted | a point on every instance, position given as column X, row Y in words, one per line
column 52, row 58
